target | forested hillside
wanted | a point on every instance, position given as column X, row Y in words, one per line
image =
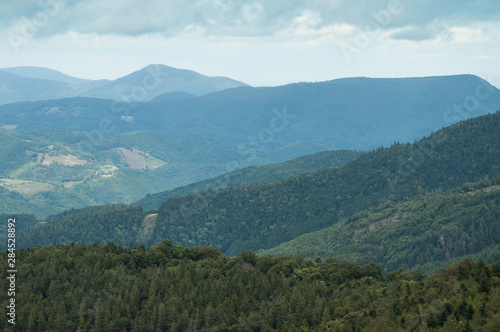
column 422, row 233
column 263, row 215
column 169, row 288
column 432, row 172
column 256, row 174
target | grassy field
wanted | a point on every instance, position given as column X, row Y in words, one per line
column 25, row 186
column 137, row 159
column 62, row 159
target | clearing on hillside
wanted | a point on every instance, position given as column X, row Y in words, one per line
column 62, row 159
column 25, row 186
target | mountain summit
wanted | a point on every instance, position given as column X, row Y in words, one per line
column 155, row 80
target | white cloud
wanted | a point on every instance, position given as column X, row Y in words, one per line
column 464, row 35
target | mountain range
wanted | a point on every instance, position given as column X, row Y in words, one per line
column 37, row 83
column 157, row 137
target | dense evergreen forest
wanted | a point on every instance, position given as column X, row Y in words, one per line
column 423, row 233
column 103, row 287
column 256, row 174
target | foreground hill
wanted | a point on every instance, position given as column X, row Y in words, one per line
column 168, row 288
column 351, row 113
column 262, row 216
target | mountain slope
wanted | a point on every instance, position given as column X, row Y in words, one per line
column 256, row 174
column 351, row 113
column 424, row 232
column 262, row 216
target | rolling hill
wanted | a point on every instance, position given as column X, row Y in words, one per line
column 49, row 171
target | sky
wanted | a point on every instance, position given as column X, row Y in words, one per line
column 259, row 42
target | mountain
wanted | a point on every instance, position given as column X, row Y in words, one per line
column 43, row 73
column 155, row 80
column 104, row 287
column 256, row 174
column 20, row 84
column 353, row 114
column 263, row 216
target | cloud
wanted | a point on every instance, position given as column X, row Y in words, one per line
column 415, row 19
column 414, row 34
column 464, row 35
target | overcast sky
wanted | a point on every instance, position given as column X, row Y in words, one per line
column 259, row 42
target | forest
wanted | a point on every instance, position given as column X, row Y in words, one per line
column 104, row 287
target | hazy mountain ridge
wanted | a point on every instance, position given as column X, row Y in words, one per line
column 38, row 83
column 43, row 73
column 351, row 113
column 155, row 80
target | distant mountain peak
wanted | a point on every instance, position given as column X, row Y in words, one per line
column 46, row 84
column 165, row 79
